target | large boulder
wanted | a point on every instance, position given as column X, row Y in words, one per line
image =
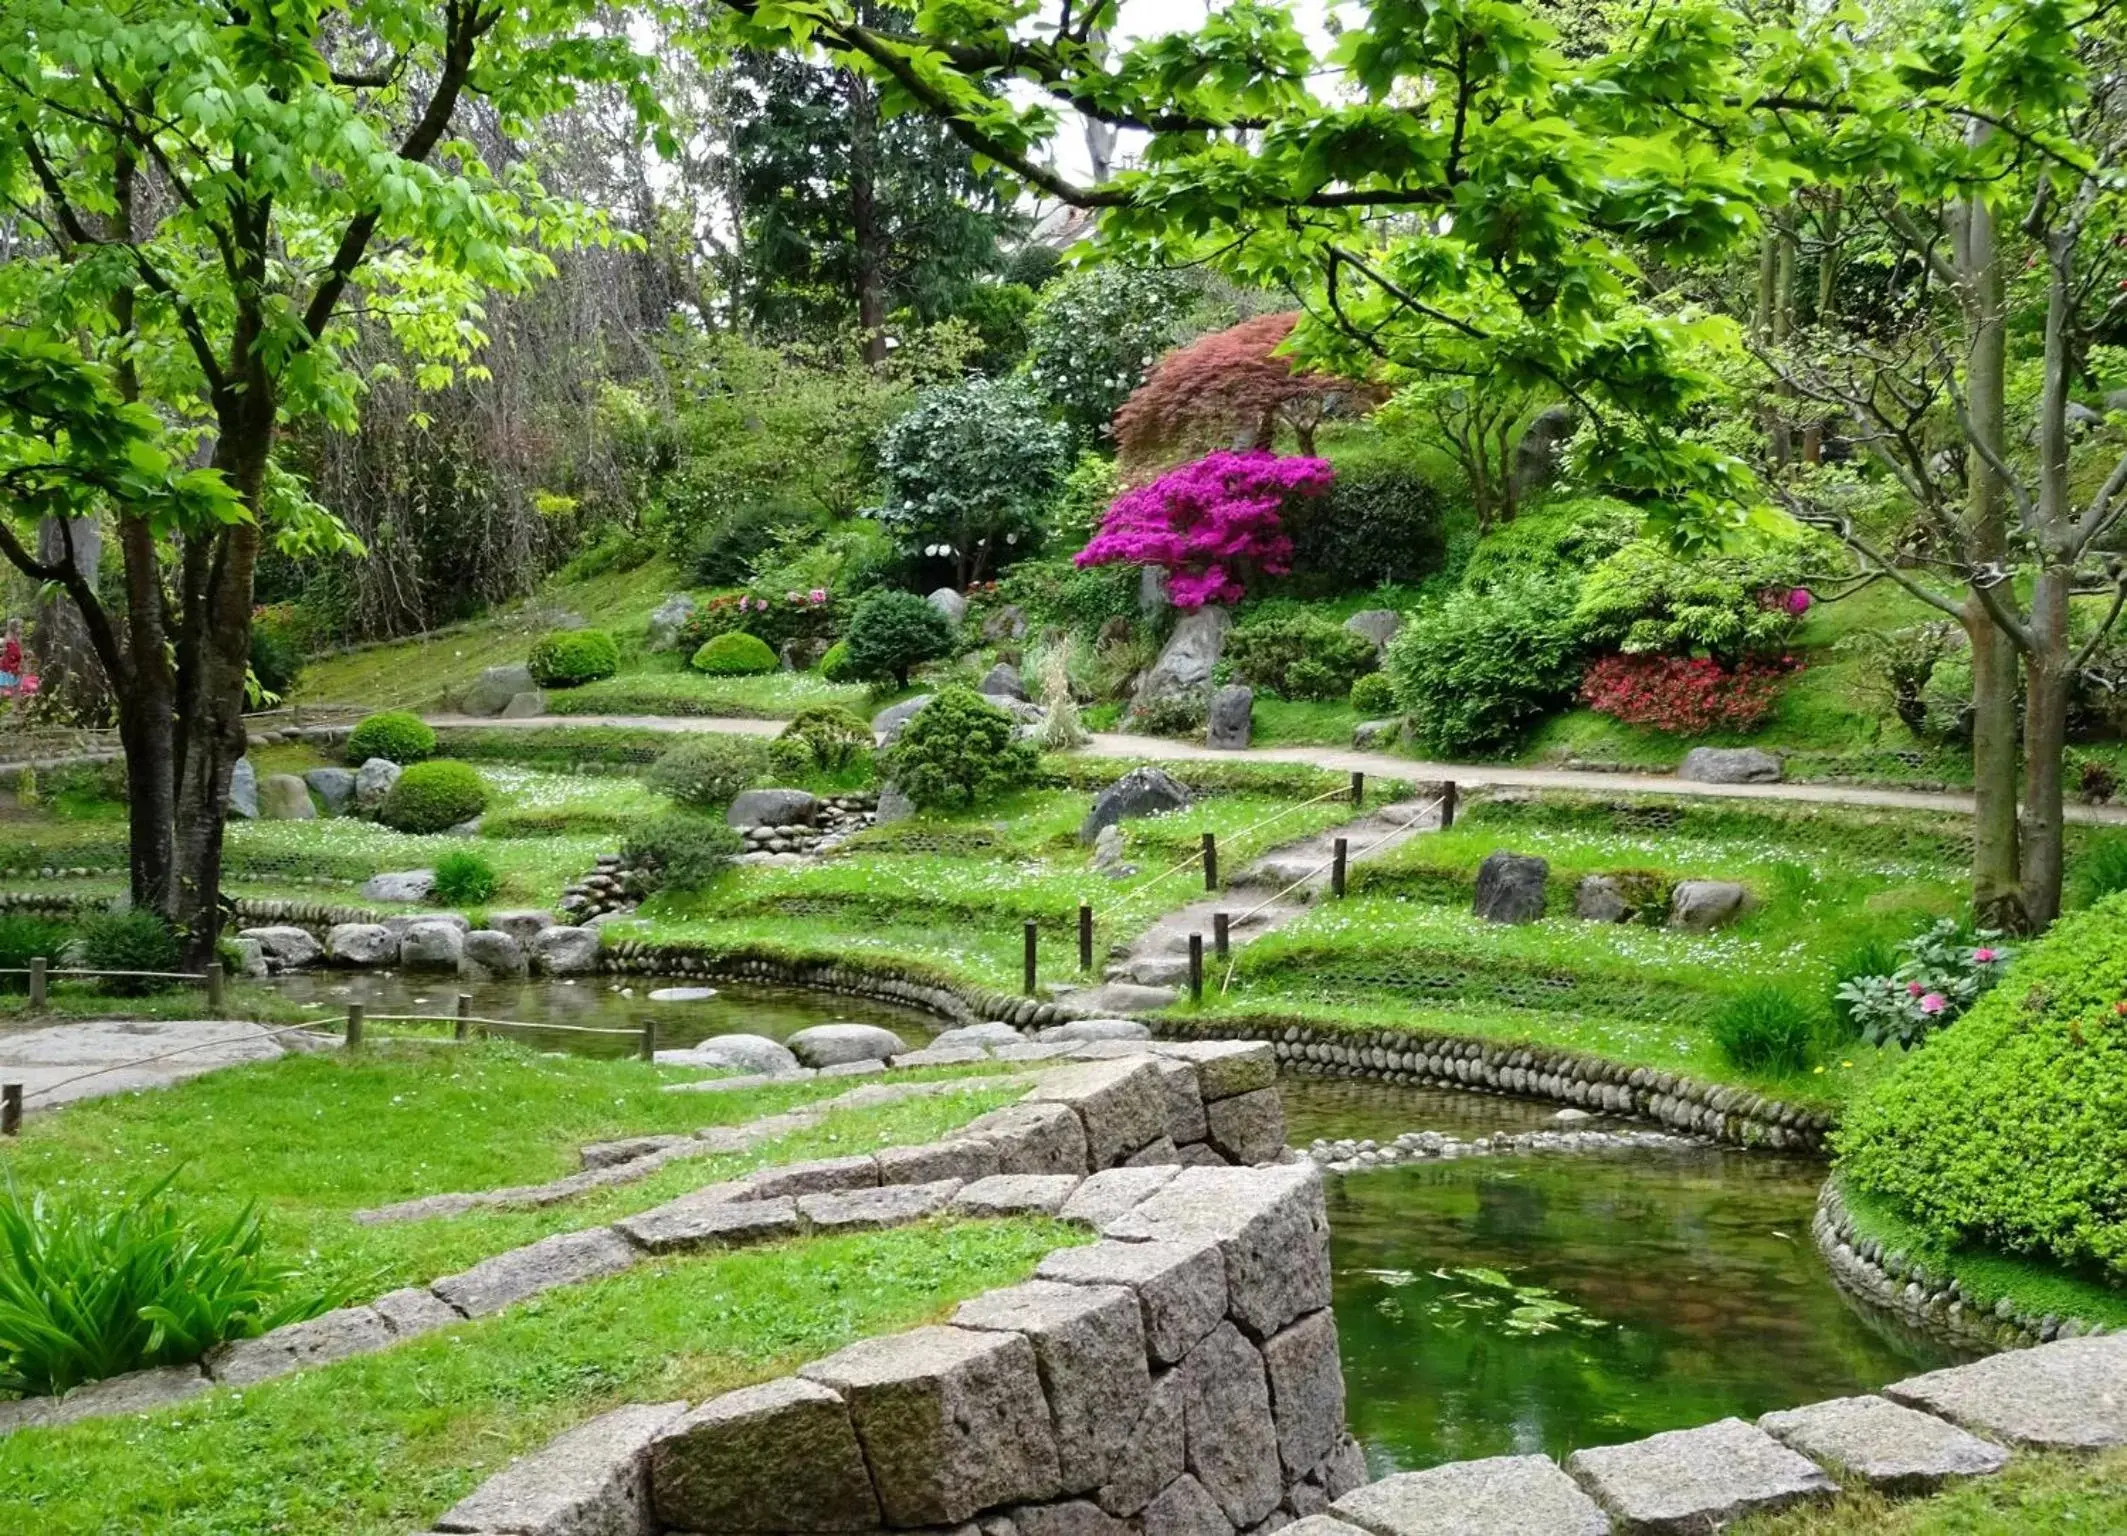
column 1140, row 792
column 432, row 945
column 661, row 633
column 803, row 652
column 1002, row 682
column 1232, row 713
column 334, row 787
column 834, row 1045
column 1007, row 623
column 1185, row 662
column 1703, row 904
column 528, row 705
column 373, row 781
column 949, row 603
column 887, row 723
column 362, row 944
column 894, row 805
column 1378, row 625
column 1542, row 450
column 286, row 947
column 401, row 885
column 284, row 797
column 1598, row 899
column 563, row 951
column 521, row 925
column 492, row 691
column 773, row 808
column 492, row 955
column 1730, row 765
column 243, row 791
column 1510, row 887
column 736, row 1053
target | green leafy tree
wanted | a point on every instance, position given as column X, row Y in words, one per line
column 972, row 469
column 1095, row 335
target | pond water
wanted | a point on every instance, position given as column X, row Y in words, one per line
column 1507, row 1305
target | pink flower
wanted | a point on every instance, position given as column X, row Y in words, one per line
column 1985, row 956
column 1209, row 524
column 817, row 594
column 1799, row 600
column 1934, row 1002
column 1913, row 989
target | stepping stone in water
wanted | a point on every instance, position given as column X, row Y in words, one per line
column 1499, row 1496
column 2067, row 1395
column 1693, row 1480
column 682, row 994
column 1898, row 1450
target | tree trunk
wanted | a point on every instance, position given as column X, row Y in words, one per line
column 65, row 661
column 864, row 216
column 2046, row 687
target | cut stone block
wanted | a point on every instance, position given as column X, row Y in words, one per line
column 1270, row 1225
column 940, row 1056
column 1033, row 1138
column 1694, row 1480
column 823, row 1177
column 1248, row 1128
column 965, row 1160
column 2067, row 1395
column 1185, row 1106
column 836, row 1045
column 1328, row 1525
column 1180, row 1286
column 1153, row 1454
column 1343, row 1469
column 1016, row 1194
column 1031, row 1050
column 1184, row 1508
column 134, row 1392
column 869, row 1210
column 315, row 1340
column 1073, row 1517
column 1498, row 1496
column 1158, row 1153
column 1306, row 1390
column 1115, row 1192
column 563, row 1259
column 1120, row 1103
column 1223, row 1067
column 781, row 1456
column 1232, row 1440
column 710, row 1219
column 414, row 1309
column 952, row 1421
column 592, row 1481
column 1089, row 1346
column 1899, row 1450
column 607, row 1154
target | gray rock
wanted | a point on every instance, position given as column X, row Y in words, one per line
column 1694, row 1480
column 1007, row 623
column 1228, row 722
column 1180, row 1286
column 682, row 994
column 1089, row 1346
column 1540, row 451
column 1306, row 1390
column 430, row 945
column 940, row 1056
column 802, row 653
column 1704, row 904
column 563, row 1259
column 1597, row 899
column 1377, row 624
column 1140, row 792
column 1184, row 1508
column 333, row 1336
column 1108, row 851
column 964, row 1159
column 1120, row 1103
column 1112, row 1192
column 592, row 1481
column 782, row 1456
column 874, row 1210
column 1232, row 1440
column 710, row 1219
column 413, row 1310
column 1003, row 681
column 399, row 923
column 1248, row 1127
column 822, row 1176
column 521, row 926
column 1095, row 1029
column 952, row 1421
column 1016, row 1194
column 992, row 1033
column 334, row 787
column 1319, row 1524
column 832, row 1045
column 661, row 632
column 134, row 1392
column 949, row 603
column 1187, row 659
column 2067, row 1395
column 1498, row 1496
column 250, row 956
column 362, row 944
column 2081, row 418
column 528, row 705
column 284, row 797
column 373, row 781
column 773, row 808
column 1151, row 600
column 242, row 801
column 1344, row 1470
column 407, row 885
column 1153, row 1454
column 286, row 946
column 1730, row 765
column 1375, row 735
column 1186, row 1122
column 1899, row 1450
column 1072, row 1517
column 735, row 1053
column 564, row 951
column 893, row 805
column 492, row 691
column 489, row 954
column 887, row 723
column 1271, row 1228
column 1034, row 1138
column 1510, row 887
column 1224, row 1067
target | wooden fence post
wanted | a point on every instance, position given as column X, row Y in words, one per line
column 1336, row 868
column 649, row 1044
column 215, row 981
column 1447, row 805
column 354, row 1025
column 1033, row 933
column 1211, row 861
column 1221, row 934
column 10, row 1109
column 1358, row 788
column 37, row 965
column 1085, row 937
column 1196, row 967
column 460, row 1028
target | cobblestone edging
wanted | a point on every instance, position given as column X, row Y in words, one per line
column 1935, row 1304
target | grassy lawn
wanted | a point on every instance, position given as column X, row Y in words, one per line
column 2035, row 1493
column 380, row 1445
column 771, row 696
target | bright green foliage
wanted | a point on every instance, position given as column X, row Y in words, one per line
column 1373, row 695
column 834, row 663
column 92, row 1286
column 1096, row 334
column 892, row 632
column 704, row 772
column 464, row 879
column 679, row 851
column 1299, row 655
column 959, row 750
column 2099, row 870
column 1646, row 600
column 570, row 657
column 23, row 937
column 734, row 654
column 434, row 797
column 1766, row 1029
column 1474, row 669
column 972, row 468
column 1559, row 538
column 394, row 735
column 824, row 739
column 132, row 940
column 2006, row 1128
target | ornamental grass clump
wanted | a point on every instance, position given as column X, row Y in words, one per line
column 464, row 879
column 1767, row 1029
column 134, row 940
column 1213, row 525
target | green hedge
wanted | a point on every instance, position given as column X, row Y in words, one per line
column 2009, row 1128
column 565, row 747
column 434, row 797
column 569, row 658
column 395, row 735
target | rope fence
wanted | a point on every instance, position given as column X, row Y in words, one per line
column 40, row 971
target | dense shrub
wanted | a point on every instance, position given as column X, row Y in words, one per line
column 1766, row 1029
column 1060, row 592
column 679, row 852
column 275, row 659
column 1213, row 525
column 1178, row 712
column 1646, row 599
column 394, row 734
column 434, row 797
column 723, row 555
column 1689, row 695
column 1379, row 523
column 891, row 632
column 793, row 616
column 737, row 654
column 834, row 665
column 1558, row 538
column 2098, row 870
column 959, row 750
column 1373, row 695
column 705, row 771
column 825, row 738
column 92, row 1287
column 969, row 470
column 1474, row 669
column 464, row 879
column 1299, row 656
column 569, row 658
column 2096, row 781
column 23, row 937
column 133, row 940
column 2005, row 1128
column 1940, row 973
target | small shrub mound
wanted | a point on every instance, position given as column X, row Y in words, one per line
column 834, row 665
column 396, row 735
column 568, row 658
column 679, row 851
column 892, row 632
column 824, row 739
column 2006, row 1128
column 1374, row 695
column 704, row 772
column 127, row 941
column 1299, row 656
column 464, row 879
column 1766, row 1029
column 960, row 750
column 1476, row 669
column 22, row 939
column 736, row 654
column 434, row 797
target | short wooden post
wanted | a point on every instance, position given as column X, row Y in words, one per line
column 1221, row 934
column 37, row 964
column 354, row 1025
column 1358, row 787
column 1336, row 868
column 463, row 1024
column 215, row 980
column 10, row 1109
column 1196, row 967
column 1033, row 934
column 1211, row 861
column 1085, row 937
column 1447, row 805
column 648, row 1048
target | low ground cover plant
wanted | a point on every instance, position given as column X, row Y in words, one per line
column 1940, row 973
column 569, row 658
column 960, row 750
column 434, row 797
column 394, row 735
column 704, row 772
column 734, row 654
column 133, row 940
column 464, row 879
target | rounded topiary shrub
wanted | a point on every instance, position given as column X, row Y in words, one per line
column 568, row 658
column 705, row 771
column 2005, row 1129
column 736, row 654
column 434, row 797
column 959, row 750
column 834, row 666
column 134, row 940
column 396, row 735
column 890, row 633
column 1374, row 695
column 823, row 739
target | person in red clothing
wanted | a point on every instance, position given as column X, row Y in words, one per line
column 11, row 655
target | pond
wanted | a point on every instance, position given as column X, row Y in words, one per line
column 1507, row 1305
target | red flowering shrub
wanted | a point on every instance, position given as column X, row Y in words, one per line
column 1688, row 695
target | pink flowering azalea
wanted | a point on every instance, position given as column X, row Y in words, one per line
column 1934, row 1002
column 1799, row 600
column 817, row 595
column 1985, row 956
column 1209, row 524
column 1914, row 989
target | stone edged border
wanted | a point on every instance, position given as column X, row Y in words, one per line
column 1935, row 1304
